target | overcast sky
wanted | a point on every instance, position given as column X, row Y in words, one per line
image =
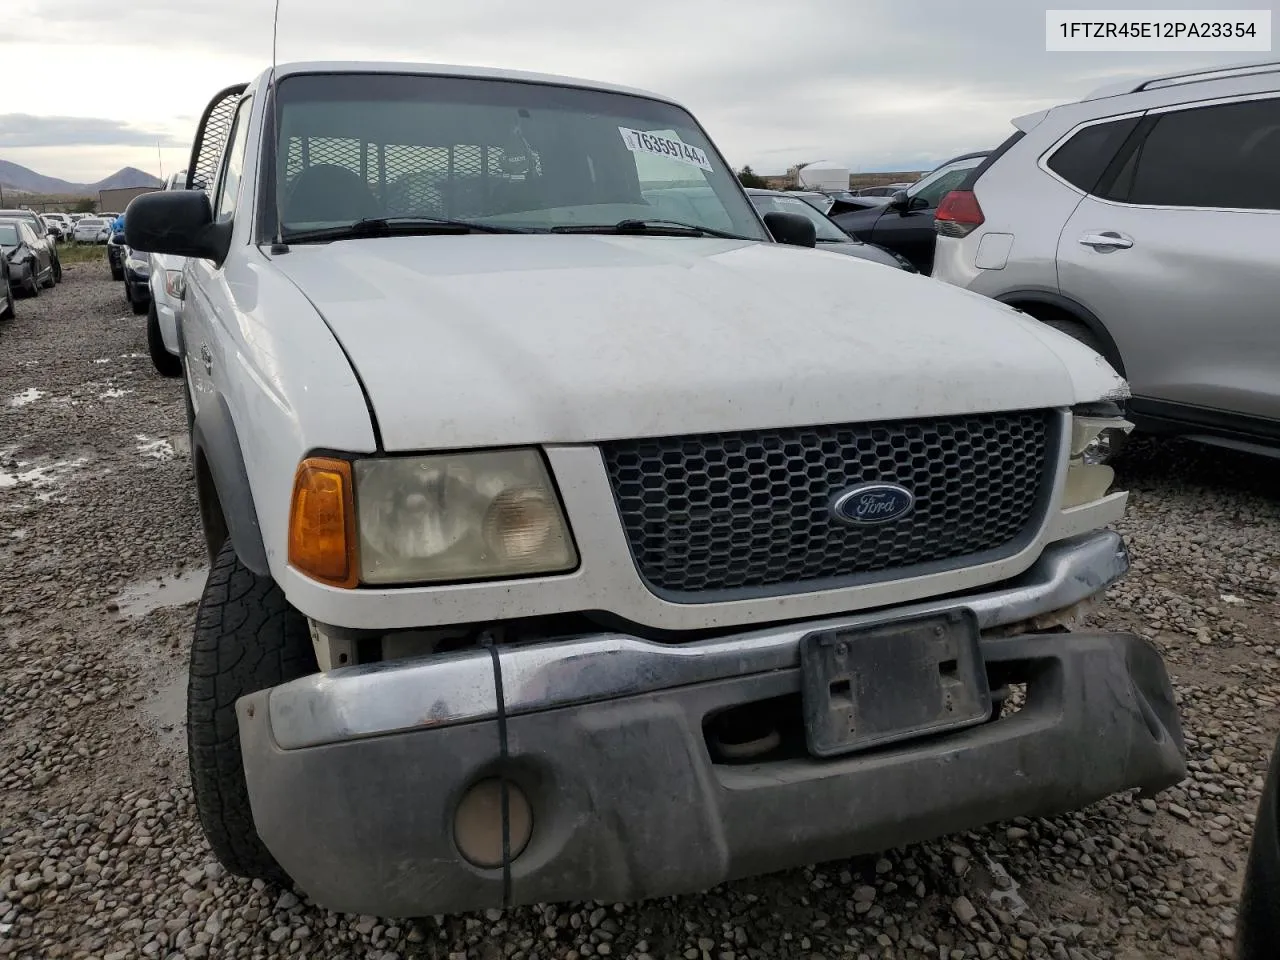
column 878, row 84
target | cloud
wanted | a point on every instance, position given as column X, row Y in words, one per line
column 24, row 130
column 874, row 83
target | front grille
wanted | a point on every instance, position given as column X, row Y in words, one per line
column 751, row 512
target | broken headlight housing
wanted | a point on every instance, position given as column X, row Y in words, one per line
column 1096, row 434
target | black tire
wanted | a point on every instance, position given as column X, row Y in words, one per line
column 52, row 281
column 33, row 285
column 57, row 268
column 8, row 310
column 247, row 639
column 139, row 306
column 117, row 273
column 166, row 364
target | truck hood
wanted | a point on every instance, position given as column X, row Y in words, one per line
column 489, row 340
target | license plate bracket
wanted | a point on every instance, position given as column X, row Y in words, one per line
column 864, row 687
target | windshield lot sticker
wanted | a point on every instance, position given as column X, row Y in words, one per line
column 638, row 141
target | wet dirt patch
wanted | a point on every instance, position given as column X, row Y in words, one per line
column 42, row 477
column 157, row 593
column 165, row 711
column 27, row 396
column 156, row 448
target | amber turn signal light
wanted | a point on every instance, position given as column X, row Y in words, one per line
column 322, row 522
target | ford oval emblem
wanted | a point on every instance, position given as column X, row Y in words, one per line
column 873, row 503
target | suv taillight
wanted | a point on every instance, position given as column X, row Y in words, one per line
column 958, row 214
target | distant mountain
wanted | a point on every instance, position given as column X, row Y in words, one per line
column 15, row 177
column 127, row 177
column 22, row 180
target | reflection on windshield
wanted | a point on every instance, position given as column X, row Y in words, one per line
column 497, row 152
column 8, row 235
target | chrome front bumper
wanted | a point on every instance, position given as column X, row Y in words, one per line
column 396, row 696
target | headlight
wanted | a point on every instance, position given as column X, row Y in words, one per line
column 141, row 267
column 459, row 516
column 1088, row 476
column 174, row 284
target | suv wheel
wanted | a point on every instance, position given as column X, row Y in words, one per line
column 166, row 364
column 57, row 268
column 117, row 271
column 247, row 639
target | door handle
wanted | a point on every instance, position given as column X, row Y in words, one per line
column 1110, row 240
column 206, row 358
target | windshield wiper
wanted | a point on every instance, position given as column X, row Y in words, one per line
column 656, row 226
column 397, row 227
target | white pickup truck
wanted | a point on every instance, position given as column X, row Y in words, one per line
column 579, row 534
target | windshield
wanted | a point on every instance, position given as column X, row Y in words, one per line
column 942, row 181
column 770, row 203
column 8, row 235
column 503, row 153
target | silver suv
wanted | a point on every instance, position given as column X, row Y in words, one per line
column 1144, row 220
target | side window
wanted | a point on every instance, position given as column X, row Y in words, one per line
column 233, row 165
column 1221, row 156
column 1082, row 160
column 943, row 182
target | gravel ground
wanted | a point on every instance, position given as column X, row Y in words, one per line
column 101, row 856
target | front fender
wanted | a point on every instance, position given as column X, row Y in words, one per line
column 215, row 443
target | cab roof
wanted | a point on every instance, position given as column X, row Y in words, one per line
column 451, row 70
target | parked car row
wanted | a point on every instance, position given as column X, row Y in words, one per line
column 28, row 258
column 131, row 267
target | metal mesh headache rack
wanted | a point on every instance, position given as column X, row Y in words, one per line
column 211, row 138
column 411, row 179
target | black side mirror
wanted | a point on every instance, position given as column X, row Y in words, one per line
column 900, row 201
column 793, row 228
column 176, row 222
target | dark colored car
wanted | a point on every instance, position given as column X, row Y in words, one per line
column 887, row 190
column 7, row 308
column 41, row 230
column 1258, row 917
column 830, row 237
column 29, row 258
column 905, row 224
column 115, row 255
column 137, row 279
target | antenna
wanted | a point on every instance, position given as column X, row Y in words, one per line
column 160, row 160
column 278, row 246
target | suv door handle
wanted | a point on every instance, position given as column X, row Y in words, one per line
column 1106, row 241
column 206, row 358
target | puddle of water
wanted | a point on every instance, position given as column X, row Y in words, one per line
column 113, row 394
column 29, row 395
column 171, row 590
column 156, row 449
column 166, row 711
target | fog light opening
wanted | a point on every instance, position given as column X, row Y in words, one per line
column 477, row 823
column 746, row 733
